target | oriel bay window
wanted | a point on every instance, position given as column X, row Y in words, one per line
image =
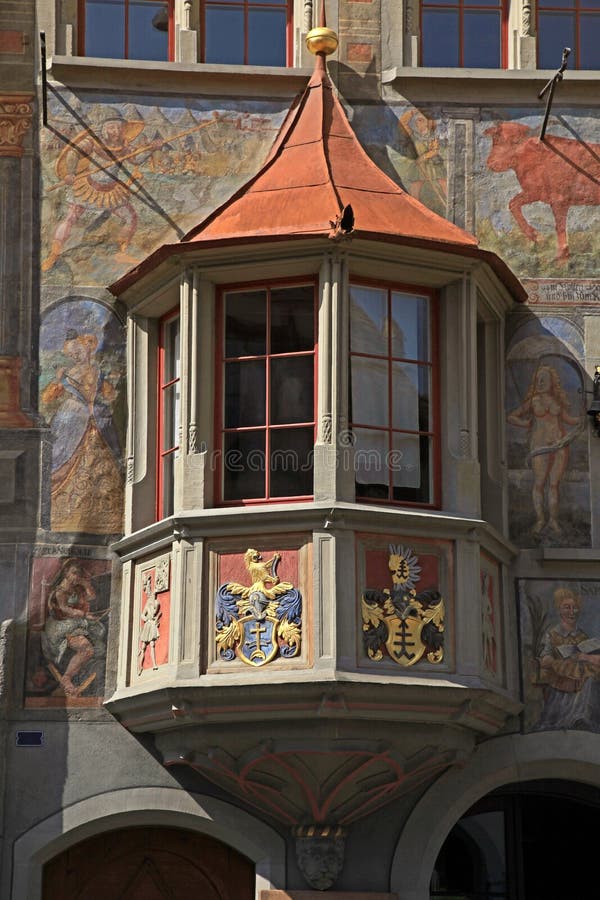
column 392, row 409
column 267, row 359
column 169, row 411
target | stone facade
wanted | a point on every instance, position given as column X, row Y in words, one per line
column 331, row 740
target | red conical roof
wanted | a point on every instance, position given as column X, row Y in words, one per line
column 315, row 169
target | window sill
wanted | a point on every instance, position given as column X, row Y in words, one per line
column 175, row 77
column 473, row 85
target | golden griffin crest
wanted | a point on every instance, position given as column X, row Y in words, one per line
column 399, row 622
column 259, row 621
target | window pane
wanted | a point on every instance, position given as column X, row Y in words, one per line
column 105, row 28
column 292, row 319
column 369, row 320
column 291, row 463
column 410, row 462
column 146, row 41
column 224, row 35
column 171, row 414
column 410, row 326
column 407, row 399
column 562, row 4
column 555, row 31
column 495, row 3
column 371, row 452
column 246, row 323
column 245, row 393
column 440, row 38
column 292, row 390
column 266, row 37
column 172, row 368
column 481, row 46
column 589, row 46
column 167, row 485
column 370, row 399
column 244, row 465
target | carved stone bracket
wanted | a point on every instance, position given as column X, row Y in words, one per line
column 15, row 120
column 320, row 853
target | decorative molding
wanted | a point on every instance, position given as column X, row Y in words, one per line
column 411, row 15
column 130, row 467
column 326, row 428
column 527, row 17
column 193, row 438
column 307, row 15
column 16, row 113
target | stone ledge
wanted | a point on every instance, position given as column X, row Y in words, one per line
column 174, row 77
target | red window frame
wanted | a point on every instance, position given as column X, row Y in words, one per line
column 575, row 11
column 221, row 360
column 434, row 433
column 81, row 49
column 460, row 7
column 164, row 455
column 246, row 5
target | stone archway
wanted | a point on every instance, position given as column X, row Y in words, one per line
column 146, row 807
column 148, row 863
column 510, row 759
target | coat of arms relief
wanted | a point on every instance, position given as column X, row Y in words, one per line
column 260, row 621
column 399, row 622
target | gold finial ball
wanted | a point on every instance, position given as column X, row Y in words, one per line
column 322, row 40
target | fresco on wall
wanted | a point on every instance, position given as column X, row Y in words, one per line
column 68, row 612
column 82, row 362
column 403, row 601
column 560, row 653
column 489, row 581
column 409, row 144
column 258, row 618
column 547, row 438
column 121, row 176
column 155, row 615
column 537, row 201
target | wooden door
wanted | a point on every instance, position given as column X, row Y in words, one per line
column 149, row 864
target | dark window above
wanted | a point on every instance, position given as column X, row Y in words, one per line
column 126, row 29
column 469, row 33
column 251, row 32
column 568, row 23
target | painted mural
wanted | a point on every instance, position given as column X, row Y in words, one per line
column 560, row 653
column 82, row 397
column 537, row 201
column 410, row 145
column 403, row 602
column 547, row 434
column 121, row 176
column 155, row 615
column 68, row 612
column 259, row 618
column 491, row 625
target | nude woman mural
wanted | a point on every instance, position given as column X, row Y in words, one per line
column 545, row 413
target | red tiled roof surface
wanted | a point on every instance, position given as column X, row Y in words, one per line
column 317, row 167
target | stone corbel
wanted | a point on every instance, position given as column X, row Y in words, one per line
column 16, row 113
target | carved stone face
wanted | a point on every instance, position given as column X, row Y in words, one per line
column 320, row 859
